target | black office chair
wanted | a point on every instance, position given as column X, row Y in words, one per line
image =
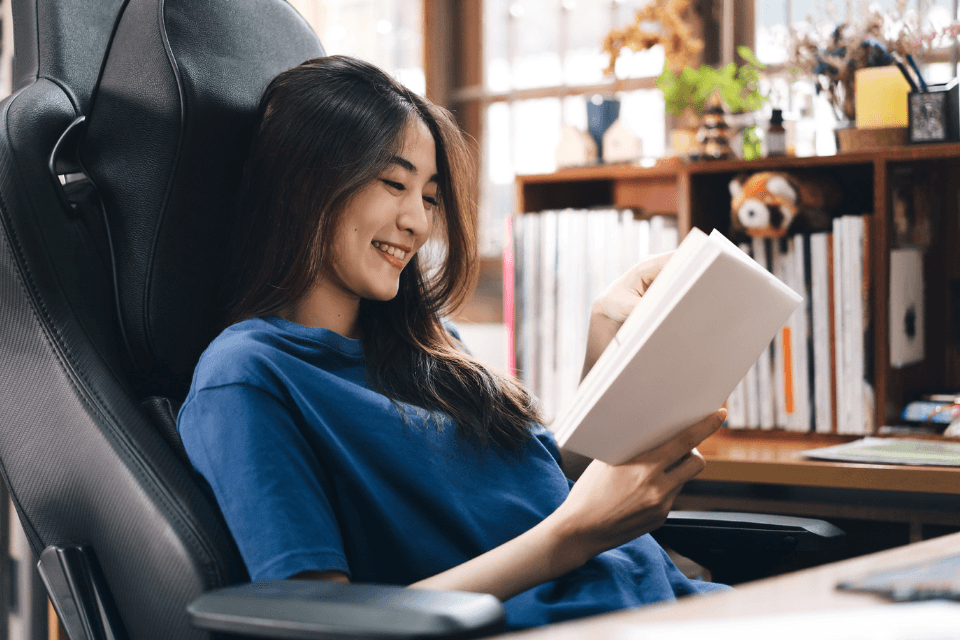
column 116, row 184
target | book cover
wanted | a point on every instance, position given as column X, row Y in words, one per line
column 692, row 337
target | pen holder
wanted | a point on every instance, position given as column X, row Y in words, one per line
column 935, row 114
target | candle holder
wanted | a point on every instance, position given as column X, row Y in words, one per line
column 935, row 114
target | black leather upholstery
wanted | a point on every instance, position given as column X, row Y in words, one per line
column 166, row 133
column 59, row 40
column 165, row 144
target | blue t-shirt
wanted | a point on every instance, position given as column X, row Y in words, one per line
column 314, row 470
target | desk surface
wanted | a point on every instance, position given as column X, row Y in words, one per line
column 774, row 458
column 804, row 591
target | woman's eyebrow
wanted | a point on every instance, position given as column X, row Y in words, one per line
column 403, row 163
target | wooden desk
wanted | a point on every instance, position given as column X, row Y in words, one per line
column 764, row 472
column 804, row 591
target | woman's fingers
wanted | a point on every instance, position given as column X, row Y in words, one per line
column 619, row 299
column 686, row 467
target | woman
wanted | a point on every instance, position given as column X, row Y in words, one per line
column 344, row 431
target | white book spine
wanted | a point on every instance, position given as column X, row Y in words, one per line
column 843, row 388
column 820, row 272
column 780, row 265
column 564, row 328
column 596, row 263
column 765, row 361
column 751, row 400
column 629, row 249
column 531, row 296
column 736, row 407
column 738, row 404
column 800, row 320
column 853, row 319
column 518, row 302
column 612, row 245
column 664, row 234
column 643, row 239
column 548, row 313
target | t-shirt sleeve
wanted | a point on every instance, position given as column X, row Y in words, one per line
column 268, row 482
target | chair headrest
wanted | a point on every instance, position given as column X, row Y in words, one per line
column 168, row 130
column 63, row 41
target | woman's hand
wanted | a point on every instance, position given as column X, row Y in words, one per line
column 610, row 505
column 613, row 306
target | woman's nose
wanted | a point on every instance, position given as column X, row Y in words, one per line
column 415, row 217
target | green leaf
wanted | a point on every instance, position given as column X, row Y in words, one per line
column 747, row 54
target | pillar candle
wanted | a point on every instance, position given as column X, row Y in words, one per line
column 881, row 97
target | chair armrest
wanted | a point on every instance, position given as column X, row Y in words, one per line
column 735, row 530
column 316, row 610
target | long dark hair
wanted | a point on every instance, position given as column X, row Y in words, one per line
column 328, row 128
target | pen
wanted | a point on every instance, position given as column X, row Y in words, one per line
column 913, row 65
column 906, row 74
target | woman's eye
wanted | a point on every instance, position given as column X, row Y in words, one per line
column 433, row 202
column 392, row 184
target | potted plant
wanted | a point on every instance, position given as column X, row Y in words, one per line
column 688, row 92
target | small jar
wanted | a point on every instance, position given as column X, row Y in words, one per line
column 775, row 140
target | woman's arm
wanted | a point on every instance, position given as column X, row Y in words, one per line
column 607, row 507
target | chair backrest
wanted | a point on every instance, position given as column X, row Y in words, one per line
column 168, row 113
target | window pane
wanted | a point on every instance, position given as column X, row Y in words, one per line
column 536, row 133
column 388, row 33
column 521, row 44
column 644, row 113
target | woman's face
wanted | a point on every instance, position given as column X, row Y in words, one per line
column 385, row 224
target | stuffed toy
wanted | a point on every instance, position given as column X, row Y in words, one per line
column 771, row 204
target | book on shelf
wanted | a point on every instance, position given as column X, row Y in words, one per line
column 824, row 334
column 818, row 372
column 765, row 380
column 692, row 337
column 791, row 362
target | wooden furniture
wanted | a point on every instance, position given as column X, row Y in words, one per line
column 697, row 193
column 879, row 506
column 806, row 591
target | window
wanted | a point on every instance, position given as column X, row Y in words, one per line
column 542, row 61
column 388, row 33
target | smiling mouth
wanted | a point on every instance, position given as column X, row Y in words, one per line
column 391, row 254
column 399, row 254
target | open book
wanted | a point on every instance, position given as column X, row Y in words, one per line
column 696, row 331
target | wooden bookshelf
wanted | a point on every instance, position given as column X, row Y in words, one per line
column 697, row 193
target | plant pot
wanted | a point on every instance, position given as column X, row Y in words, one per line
column 850, row 139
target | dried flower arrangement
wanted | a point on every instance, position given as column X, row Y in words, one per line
column 831, row 56
column 675, row 16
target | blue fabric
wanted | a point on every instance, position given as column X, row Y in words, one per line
column 313, row 470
